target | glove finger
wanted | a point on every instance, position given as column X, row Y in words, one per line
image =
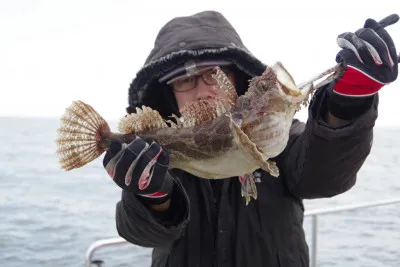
column 344, row 43
column 162, row 158
column 129, row 161
column 378, row 27
column 110, row 162
column 153, row 163
column 112, row 150
column 387, row 21
column 377, row 47
column 356, row 45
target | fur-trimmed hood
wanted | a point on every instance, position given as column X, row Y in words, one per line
column 206, row 35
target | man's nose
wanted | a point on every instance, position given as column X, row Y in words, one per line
column 204, row 90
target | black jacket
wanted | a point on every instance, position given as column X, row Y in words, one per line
column 208, row 223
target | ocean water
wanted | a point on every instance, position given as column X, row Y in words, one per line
column 50, row 217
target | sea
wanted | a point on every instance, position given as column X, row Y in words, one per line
column 50, row 217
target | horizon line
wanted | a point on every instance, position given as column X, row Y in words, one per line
column 113, row 120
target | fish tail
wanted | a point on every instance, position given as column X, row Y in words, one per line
column 82, row 136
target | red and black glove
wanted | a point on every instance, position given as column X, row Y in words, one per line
column 370, row 60
column 140, row 168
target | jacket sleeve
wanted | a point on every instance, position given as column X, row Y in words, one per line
column 320, row 160
column 142, row 226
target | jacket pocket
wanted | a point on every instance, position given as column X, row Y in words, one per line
column 287, row 260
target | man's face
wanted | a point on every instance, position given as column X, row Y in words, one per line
column 199, row 86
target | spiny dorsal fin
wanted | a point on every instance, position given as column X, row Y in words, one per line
column 201, row 111
column 226, row 88
column 145, row 119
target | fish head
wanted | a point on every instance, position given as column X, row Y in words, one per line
column 287, row 87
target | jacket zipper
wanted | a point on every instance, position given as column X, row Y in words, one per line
column 213, row 222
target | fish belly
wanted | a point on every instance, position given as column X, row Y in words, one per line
column 225, row 165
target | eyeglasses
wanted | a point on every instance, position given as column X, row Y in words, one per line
column 188, row 83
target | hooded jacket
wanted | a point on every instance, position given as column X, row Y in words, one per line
column 208, row 223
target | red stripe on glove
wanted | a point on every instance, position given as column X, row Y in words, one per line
column 145, row 177
column 155, row 195
column 355, row 83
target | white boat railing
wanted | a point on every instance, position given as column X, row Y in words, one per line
column 89, row 262
column 317, row 212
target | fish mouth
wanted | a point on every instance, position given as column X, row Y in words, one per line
column 286, row 80
column 287, row 85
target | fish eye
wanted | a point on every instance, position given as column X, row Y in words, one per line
column 262, row 84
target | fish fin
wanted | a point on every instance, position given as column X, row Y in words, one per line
column 80, row 136
column 145, row 119
column 271, row 168
column 248, row 188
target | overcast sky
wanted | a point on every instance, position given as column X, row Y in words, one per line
column 53, row 52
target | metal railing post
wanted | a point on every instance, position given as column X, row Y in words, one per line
column 99, row 244
column 314, row 241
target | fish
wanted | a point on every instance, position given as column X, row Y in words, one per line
column 227, row 136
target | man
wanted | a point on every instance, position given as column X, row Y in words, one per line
column 190, row 221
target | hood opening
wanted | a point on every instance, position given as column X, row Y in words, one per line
column 160, row 96
column 204, row 36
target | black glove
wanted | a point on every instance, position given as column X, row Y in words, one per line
column 140, row 168
column 370, row 60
